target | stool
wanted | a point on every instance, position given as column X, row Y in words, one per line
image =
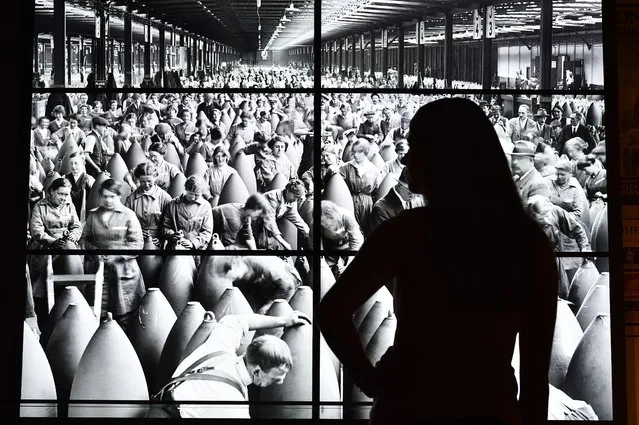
column 61, row 280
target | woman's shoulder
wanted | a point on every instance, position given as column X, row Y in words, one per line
column 42, row 203
column 129, row 212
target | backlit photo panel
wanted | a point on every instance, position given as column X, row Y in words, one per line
column 114, row 48
column 563, row 149
column 240, row 145
column 579, row 375
column 78, row 332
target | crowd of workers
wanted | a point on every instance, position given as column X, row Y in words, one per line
column 558, row 156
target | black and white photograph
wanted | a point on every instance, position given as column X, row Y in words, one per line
column 182, row 171
column 556, row 148
column 177, row 44
column 580, row 375
column 174, row 142
column 132, row 328
column 403, row 44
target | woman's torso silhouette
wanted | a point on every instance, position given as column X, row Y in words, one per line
column 453, row 344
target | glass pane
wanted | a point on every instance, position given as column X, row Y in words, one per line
column 383, row 120
column 577, row 45
column 580, row 368
column 210, row 135
column 152, row 330
column 273, row 48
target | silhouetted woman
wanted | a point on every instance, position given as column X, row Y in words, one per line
column 471, row 271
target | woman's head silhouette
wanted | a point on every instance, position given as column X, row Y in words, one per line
column 455, row 158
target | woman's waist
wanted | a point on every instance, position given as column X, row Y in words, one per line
column 457, row 359
column 456, row 409
column 61, row 231
column 440, row 380
column 112, row 243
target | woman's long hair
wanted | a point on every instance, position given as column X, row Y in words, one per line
column 464, row 163
column 477, row 220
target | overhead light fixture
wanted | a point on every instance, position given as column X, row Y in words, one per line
column 292, row 8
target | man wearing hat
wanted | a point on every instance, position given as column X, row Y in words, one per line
column 528, row 180
column 575, row 129
column 543, row 129
column 398, row 133
column 368, row 129
column 96, row 150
